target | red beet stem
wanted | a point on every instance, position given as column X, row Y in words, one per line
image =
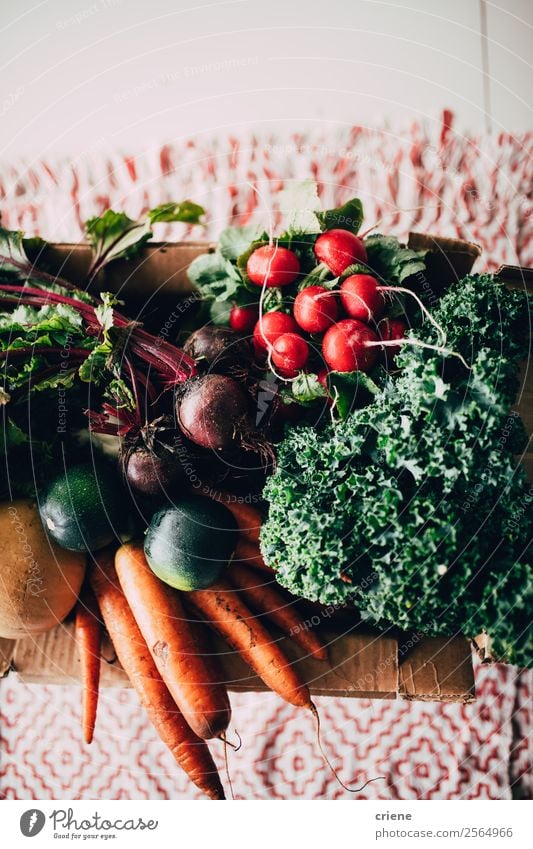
column 73, row 353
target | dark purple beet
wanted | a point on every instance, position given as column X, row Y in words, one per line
column 212, row 412
column 217, row 347
column 148, row 459
column 149, row 473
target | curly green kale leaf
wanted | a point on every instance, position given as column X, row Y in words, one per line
column 413, row 507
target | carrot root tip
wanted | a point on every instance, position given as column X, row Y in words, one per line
column 314, row 711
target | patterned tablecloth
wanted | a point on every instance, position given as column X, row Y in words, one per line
column 426, row 178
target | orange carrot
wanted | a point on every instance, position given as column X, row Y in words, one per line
column 266, row 598
column 249, row 553
column 88, row 633
column 248, row 518
column 173, row 642
column 189, row 750
column 223, row 608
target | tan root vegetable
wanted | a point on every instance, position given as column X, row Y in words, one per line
column 261, row 593
column 224, row 609
column 189, row 750
column 39, row 582
column 248, row 518
column 88, row 631
column 249, row 553
column 174, row 644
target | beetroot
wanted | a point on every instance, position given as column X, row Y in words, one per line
column 217, row 347
column 150, row 473
column 212, row 412
column 148, row 458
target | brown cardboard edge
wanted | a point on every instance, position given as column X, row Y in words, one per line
column 516, row 276
column 437, row 669
column 443, row 244
column 7, row 650
column 159, row 266
column 362, row 665
column 421, row 669
column 447, row 261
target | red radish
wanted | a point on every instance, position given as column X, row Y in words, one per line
column 290, row 352
column 242, row 319
column 288, row 412
column 322, row 377
column 390, row 329
column 361, row 297
column 270, row 326
column 338, row 249
column 345, row 346
column 287, row 373
column 315, row 309
column 272, row 265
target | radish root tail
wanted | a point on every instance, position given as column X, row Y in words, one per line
column 328, row 763
column 392, row 290
column 408, row 340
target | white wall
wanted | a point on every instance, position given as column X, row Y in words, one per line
column 79, row 75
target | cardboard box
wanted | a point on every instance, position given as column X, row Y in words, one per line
column 363, row 663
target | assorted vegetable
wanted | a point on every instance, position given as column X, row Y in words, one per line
column 190, row 544
column 173, row 643
column 311, row 298
column 83, row 507
column 40, row 582
column 268, row 600
column 212, row 411
column 71, row 352
column 222, row 606
column 317, row 388
column 88, row 632
column 190, row 751
column 408, row 508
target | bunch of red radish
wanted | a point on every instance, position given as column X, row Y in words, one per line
column 348, row 321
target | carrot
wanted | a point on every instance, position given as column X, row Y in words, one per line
column 227, row 613
column 248, row 518
column 249, row 553
column 189, row 750
column 174, row 644
column 88, row 633
column 266, row 598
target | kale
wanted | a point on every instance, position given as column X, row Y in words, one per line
column 413, row 507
